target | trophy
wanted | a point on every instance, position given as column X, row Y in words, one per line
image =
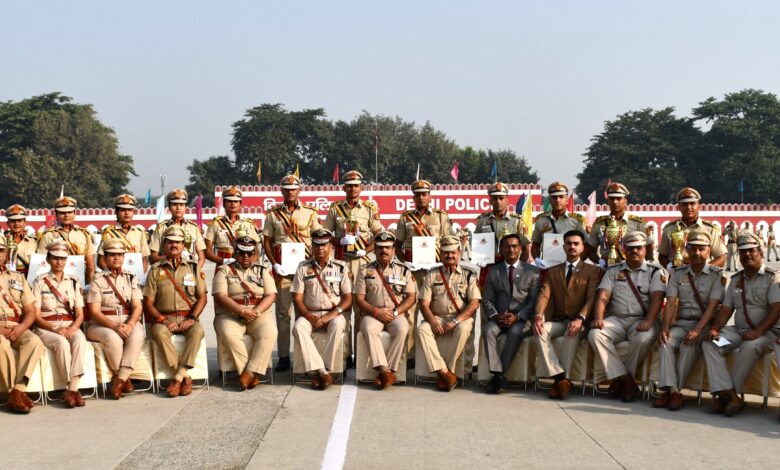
column 677, row 240
column 188, row 241
column 12, row 249
column 612, row 233
column 351, row 228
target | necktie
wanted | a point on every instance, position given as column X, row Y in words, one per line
column 511, row 278
column 568, row 273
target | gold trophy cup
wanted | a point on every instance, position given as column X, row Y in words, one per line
column 677, row 240
column 12, row 250
column 351, row 226
column 188, row 241
column 612, row 233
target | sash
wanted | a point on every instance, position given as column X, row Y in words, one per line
column 291, row 230
column 227, row 226
column 176, row 286
column 118, row 233
column 324, row 286
column 66, row 237
column 446, row 283
column 387, row 287
column 119, row 297
column 422, row 230
column 9, row 301
column 60, row 298
column 635, row 291
column 744, row 303
column 695, row 292
column 244, row 285
column 360, row 243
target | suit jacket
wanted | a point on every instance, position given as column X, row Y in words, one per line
column 558, row 300
column 496, row 297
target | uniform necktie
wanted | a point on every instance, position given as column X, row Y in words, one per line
column 511, row 278
column 568, row 273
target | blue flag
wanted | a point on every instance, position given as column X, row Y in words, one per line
column 160, row 209
column 148, row 199
column 519, row 206
column 494, row 171
column 741, row 187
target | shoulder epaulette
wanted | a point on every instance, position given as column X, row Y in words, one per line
column 716, row 269
column 541, row 215
column 339, row 263
column 708, row 223
column 471, row 268
column 601, row 218
column 577, row 216
column 770, row 270
column 439, row 211
column 484, row 214
column 515, row 215
column 636, row 217
column 409, row 212
column 276, row 207
column 309, row 206
column 371, row 204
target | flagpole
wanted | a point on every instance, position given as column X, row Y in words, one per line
column 376, row 152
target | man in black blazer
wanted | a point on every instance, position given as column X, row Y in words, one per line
column 508, row 301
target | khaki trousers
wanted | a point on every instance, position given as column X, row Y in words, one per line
column 30, row 349
column 443, row 352
column 553, row 363
column 283, row 319
column 749, row 352
column 731, row 257
column 352, row 327
column 617, row 330
column 231, row 330
column 163, row 338
column 119, row 352
column 674, row 371
column 398, row 329
column 68, row 353
column 312, row 360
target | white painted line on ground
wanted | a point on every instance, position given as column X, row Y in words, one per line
column 336, row 450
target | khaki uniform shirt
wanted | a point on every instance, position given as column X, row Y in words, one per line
column 302, row 222
column 710, row 283
column 647, row 278
column 665, row 245
column 513, row 223
column 760, row 291
column 222, row 232
column 545, row 222
column 365, row 212
column 78, row 239
column 257, row 278
column 101, row 293
column 167, row 299
column 24, row 250
column 134, row 239
column 435, row 220
column 370, row 284
column 48, row 302
column 16, row 291
column 189, row 228
column 335, row 275
column 463, row 287
column 627, row 223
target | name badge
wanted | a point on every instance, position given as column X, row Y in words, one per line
column 332, row 279
column 189, row 280
column 16, row 285
column 395, row 279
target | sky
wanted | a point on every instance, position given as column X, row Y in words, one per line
column 539, row 78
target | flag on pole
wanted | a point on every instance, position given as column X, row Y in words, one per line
column 454, row 172
column 148, row 199
column 199, row 210
column 494, row 171
column 218, row 204
column 297, row 171
column 590, row 216
column 526, row 213
column 741, row 187
column 417, row 178
column 570, row 204
column 546, row 206
column 160, row 209
column 606, row 188
column 376, row 137
column 62, row 191
column 259, row 173
column 336, row 174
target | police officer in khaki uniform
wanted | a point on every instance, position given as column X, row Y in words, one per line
column 771, row 245
column 449, row 297
column 693, row 294
column 244, row 292
column 627, row 306
column 17, row 314
column 322, row 292
column 59, row 312
column 385, row 293
column 562, row 308
column 361, row 219
column 193, row 246
column 753, row 297
column 114, row 303
column 731, row 246
column 221, row 232
column 174, row 297
column 21, row 245
column 689, row 205
column 500, row 220
column 617, row 200
column 288, row 222
column 559, row 220
column 77, row 239
column 132, row 236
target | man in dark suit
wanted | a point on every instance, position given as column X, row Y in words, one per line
column 510, row 293
column 562, row 309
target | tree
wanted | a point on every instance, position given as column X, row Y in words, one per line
column 47, row 142
column 205, row 175
column 742, row 144
column 652, row 152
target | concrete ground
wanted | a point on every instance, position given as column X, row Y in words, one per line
column 286, row 426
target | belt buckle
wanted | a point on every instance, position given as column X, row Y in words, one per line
column 118, row 310
column 246, row 300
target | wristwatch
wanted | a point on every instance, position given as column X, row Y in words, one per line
column 395, row 312
column 339, row 309
column 581, row 317
column 455, row 321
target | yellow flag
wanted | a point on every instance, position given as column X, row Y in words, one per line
column 297, row 172
column 259, row 170
column 528, row 217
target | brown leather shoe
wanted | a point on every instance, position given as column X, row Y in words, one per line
column 16, row 402
column 441, row 381
column 378, row 381
column 69, row 399
column 735, row 403
column 554, row 393
column 127, row 386
column 564, row 387
column 174, row 388
column 326, row 380
column 78, row 398
column 451, row 380
column 615, row 388
column 676, row 401
column 117, row 387
column 255, row 380
column 630, row 391
column 662, row 401
column 719, row 402
column 186, row 386
column 316, row 383
column 388, row 378
column 246, row 379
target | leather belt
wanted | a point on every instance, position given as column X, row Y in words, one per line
column 177, row 313
column 13, row 318
column 116, row 312
column 224, row 254
column 59, row 317
column 247, row 301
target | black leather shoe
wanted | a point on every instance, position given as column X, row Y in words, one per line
column 283, row 365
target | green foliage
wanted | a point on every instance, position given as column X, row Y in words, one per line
column 205, row 175
column 46, row 142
